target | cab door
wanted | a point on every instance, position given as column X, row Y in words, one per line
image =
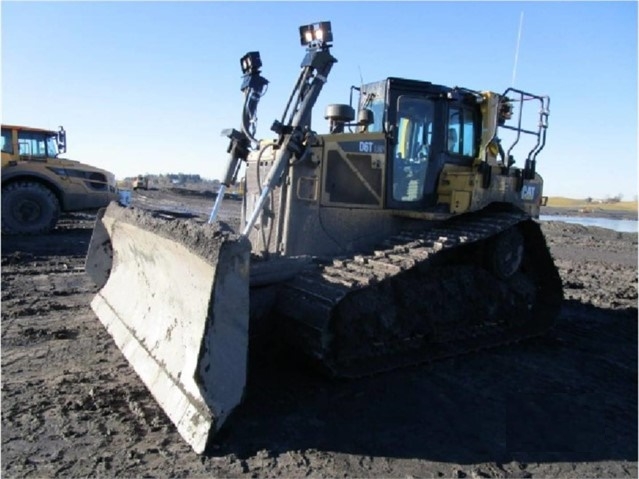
column 412, row 168
column 463, row 130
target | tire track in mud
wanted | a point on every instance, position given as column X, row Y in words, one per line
column 81, row 392
column 32, row 314
column 89, row 398
column 45, row 297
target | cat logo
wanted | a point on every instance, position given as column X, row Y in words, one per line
column 528, row 192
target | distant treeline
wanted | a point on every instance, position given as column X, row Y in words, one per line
column 180, row 178
column 177, row 179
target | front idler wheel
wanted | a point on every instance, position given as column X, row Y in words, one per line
column 505, row 253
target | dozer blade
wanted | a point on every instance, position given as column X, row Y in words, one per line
column 176, row 302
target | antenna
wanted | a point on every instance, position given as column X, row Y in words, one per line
column 521, row 22
column 361, row 78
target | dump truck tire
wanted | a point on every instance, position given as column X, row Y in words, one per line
column 28, row 208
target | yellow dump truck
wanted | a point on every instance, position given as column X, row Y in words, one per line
column 37, row 185
column 141, row 182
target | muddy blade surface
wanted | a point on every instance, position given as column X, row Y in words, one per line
column 176, row 304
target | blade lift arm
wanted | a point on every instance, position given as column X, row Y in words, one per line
column 254, row 87
column 292, row 131
column 316, row 67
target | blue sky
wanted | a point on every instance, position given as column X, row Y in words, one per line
column 147, row 87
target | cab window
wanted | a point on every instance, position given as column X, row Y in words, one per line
column 414, row 127
column 377, row 107
column 7, row 145
column 461, row 132
column 32, row 143
column 52, row 146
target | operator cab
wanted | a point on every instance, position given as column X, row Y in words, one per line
column 425, row 126
column 32, row 143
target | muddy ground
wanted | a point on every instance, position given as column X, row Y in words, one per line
column 564, row 405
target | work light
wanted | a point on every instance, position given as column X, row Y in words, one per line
column 251, row 63
column 316, row 33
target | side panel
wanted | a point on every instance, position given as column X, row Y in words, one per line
column 265, row 234
column 330, row 204
column 462, row 188
column 353, row 171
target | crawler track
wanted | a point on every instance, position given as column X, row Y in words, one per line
column 423, row 296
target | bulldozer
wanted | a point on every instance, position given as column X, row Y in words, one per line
column 37, row 184
column 404, row 234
